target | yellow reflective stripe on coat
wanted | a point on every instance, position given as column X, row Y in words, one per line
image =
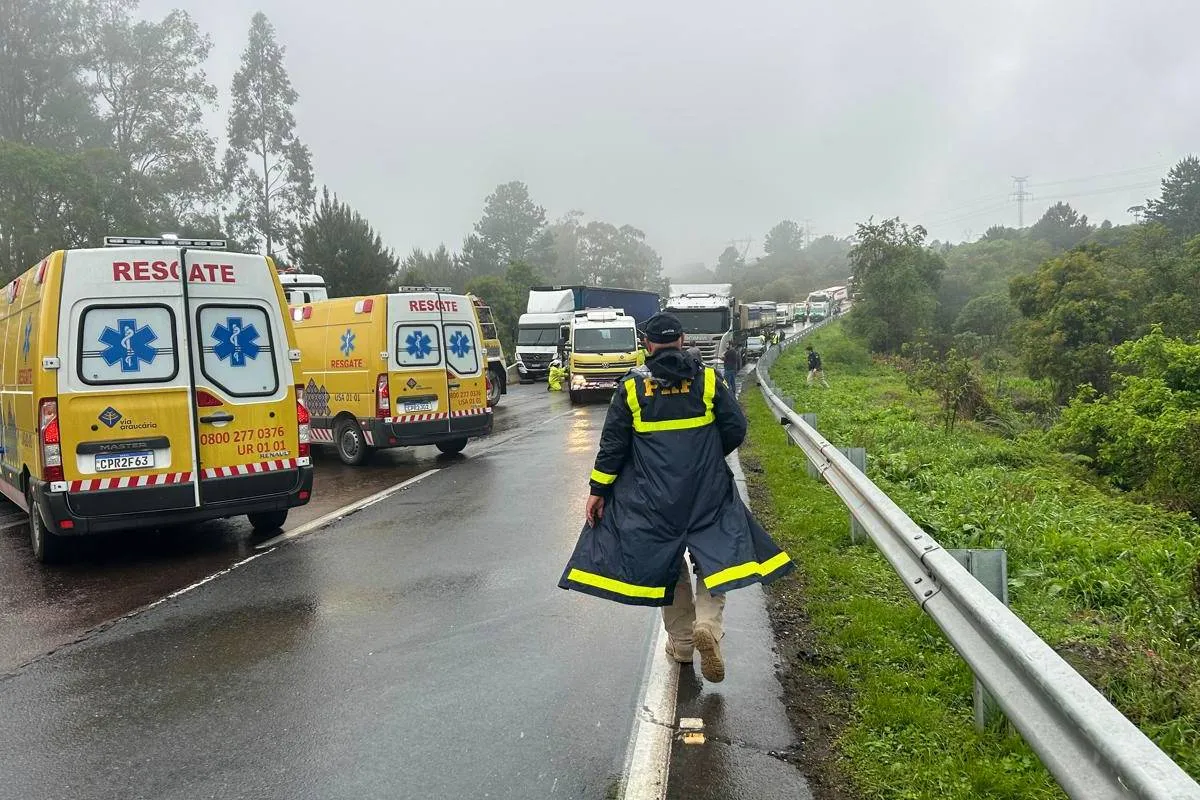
column 648, row 426
column 746, row 570
column 616, row 586
column 602, row 477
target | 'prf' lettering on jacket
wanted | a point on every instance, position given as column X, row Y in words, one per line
column 685, row 387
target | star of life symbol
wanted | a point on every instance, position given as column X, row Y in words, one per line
column 347, row 343
column 25, row 343
column 235, row 341
column 128, row 345
column 418, row 344
column 460, row 345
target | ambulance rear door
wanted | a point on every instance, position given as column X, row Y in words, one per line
column 419, row 387
column 466, row 357
column 245, row 397
column 124, row 381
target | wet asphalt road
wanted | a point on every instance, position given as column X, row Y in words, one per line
column 417, row 648
column 42, row 607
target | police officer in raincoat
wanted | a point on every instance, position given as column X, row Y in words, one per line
column 661, row 486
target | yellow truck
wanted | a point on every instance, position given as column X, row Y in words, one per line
column 393, row 370
column 602, row 345
column 497, row 368
column 145, row 384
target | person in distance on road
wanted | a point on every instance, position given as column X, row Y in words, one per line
column 660, row 488
column 733, row 363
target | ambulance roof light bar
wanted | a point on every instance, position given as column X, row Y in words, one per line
column 167, row 239
column 442, row 289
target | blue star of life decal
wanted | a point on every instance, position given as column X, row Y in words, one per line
column 347, row 343
column 418, row 344
column 460, row 345
column 128, row 345
column 25, row 343
column 235, row 341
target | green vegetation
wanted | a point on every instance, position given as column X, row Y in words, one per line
column 1110, row 583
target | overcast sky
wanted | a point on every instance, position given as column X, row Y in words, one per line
column 701, row 122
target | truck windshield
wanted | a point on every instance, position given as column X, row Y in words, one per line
column 605, row 340
column 538, row 336
column 703, row 321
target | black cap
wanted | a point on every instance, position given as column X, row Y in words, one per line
column 663, row 328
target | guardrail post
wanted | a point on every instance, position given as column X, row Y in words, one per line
column 989, row 567
column 811, row 419
column 858, row 457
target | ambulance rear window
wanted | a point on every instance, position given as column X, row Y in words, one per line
column 462, row 351
column 418, row 345
column 124, row 344
column 237, row 349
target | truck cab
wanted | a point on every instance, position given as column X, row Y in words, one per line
column 602, row 345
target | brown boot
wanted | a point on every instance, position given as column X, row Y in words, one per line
column 712, row 665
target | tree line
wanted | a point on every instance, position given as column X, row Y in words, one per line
column 103, row 131
column 1096, row 328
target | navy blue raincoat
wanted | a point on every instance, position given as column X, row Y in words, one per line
column 661, row 469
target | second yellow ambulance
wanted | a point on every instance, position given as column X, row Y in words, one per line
column 393, row 370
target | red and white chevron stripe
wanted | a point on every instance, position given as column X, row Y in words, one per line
column 250, row 469
column 321, row 434
column 98, row 484
column 171, row 478
column 436, row 415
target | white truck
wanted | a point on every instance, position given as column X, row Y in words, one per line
column 817, row 306
column 708, row 314
column 539, row 332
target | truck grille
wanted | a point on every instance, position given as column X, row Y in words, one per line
column 536, row 359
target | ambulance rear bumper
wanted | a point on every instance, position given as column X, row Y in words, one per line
column 161, row 506
column 412, row 434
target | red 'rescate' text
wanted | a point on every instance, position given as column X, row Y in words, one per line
column 433, row 305
column 162, row 271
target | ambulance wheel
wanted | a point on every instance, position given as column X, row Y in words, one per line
column 267, row 521
column 48, row 548
column 352, row 447
column 452, row 447
column 493, row 388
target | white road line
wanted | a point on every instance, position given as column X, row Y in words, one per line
column 648, row 763
column 335, row 515
column 198, row 583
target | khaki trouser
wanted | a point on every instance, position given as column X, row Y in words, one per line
column 692, row 607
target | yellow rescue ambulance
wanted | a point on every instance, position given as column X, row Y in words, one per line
column 145, row 384
column 393, row 370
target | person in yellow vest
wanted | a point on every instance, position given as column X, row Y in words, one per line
column 554, row 381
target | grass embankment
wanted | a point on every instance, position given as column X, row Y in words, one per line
column 1109, row 583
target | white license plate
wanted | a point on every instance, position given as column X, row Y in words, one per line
column 412, row 407
column 123, row 461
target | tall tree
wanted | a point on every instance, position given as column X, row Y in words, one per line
column 340, row 245
column 1178, row 207
column 784, row 242
column 612, row 256
column 512, row 229
column 43, row 98
column 267, row 169
column 897, row 278
column 149, row 82
column 1061, row 226
column 729, row 263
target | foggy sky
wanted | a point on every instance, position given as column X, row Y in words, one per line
column 701, row 122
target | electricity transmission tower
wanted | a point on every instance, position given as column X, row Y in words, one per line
column 742, row 246
column 1020, row 195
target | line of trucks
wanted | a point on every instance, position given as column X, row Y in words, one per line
column 591, row 332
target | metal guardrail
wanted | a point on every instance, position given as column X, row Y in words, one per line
column 1092, row 750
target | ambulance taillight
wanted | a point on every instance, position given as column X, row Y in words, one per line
column 206, row 400
column 305, row 421
column 383, row 397
column 52, row 469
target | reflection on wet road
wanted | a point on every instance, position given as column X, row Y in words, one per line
column 44, row 607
